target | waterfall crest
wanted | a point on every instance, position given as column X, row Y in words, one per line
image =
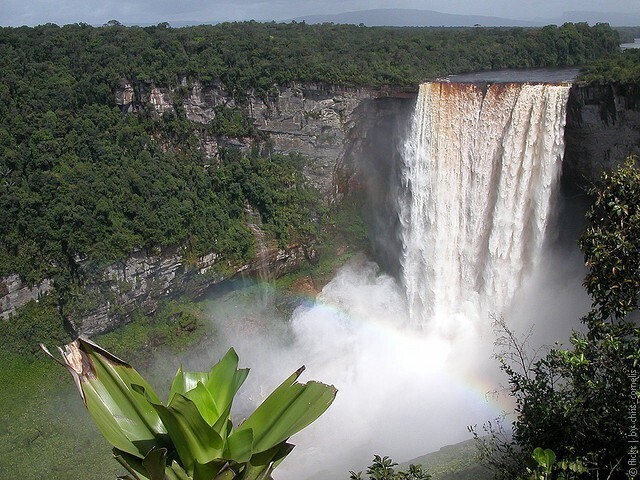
column 480, row 170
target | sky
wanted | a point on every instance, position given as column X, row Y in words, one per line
column 98, row 12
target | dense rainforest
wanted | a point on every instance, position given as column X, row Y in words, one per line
column 624, row 67
column 252, row 55
column 628, row 34
column 82, row 182
column 75, row 171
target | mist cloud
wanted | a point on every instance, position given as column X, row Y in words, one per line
column 402, row 392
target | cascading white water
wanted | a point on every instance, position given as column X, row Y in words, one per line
column 480, row 170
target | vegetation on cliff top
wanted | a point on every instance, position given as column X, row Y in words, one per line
column 628, row 34
column 255, row 56
column 83, row 184
column 79, row 179
column 623, row 67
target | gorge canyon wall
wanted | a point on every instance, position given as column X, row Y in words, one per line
column 603, row 127
column 352, row 137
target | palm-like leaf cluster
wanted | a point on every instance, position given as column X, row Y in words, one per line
column 191, row 437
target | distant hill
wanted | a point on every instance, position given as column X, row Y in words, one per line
column 412, row 18
column 453, row 462
column 399, row 17
column 612, row 18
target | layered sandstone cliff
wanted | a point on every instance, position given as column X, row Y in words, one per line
column 603, row 128
column 353, row 138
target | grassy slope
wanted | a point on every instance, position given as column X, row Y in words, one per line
column 45, row 431
column 453, row 462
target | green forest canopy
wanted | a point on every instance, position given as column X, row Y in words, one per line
column 623, row 67
column 254, row 55
column 80, row 179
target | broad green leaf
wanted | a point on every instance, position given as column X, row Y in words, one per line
column 210, row 470
column 194, row 439
column 132, row 464
column 261, row 465
column 239, row 447
column 185, row 381
column 291, row 407
column 176, row 472
column 203, row 400
column 104, row 382
column 282, row 453
column 153, row 467
column 226, row 475
column 156, row 463
column 222, row 383
column 225, row 379
column 224, row 425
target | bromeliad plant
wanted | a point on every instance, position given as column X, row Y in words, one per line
column 192, row 437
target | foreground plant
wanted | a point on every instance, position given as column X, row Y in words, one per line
column 543, row 466
column 191, row 437
column 382, row 468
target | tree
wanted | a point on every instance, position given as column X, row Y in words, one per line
column 611, row 244
column 382, row 469
column 581, row 402
column 191, row 437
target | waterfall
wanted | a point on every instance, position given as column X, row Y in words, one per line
column 254, row 222
column 480, row 170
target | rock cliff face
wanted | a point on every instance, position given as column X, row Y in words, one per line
column 353, row 138
column 315, row 120
column 145, row 277
column 311, row 119
column 14, row 293
column 329, row 123
column 367, row 172
column 338, row 129
column 603, row 127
